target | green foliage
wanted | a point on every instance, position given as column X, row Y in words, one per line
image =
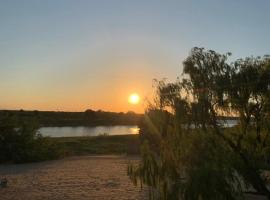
column 115, row 144
column 186, row 152
column 192, row 166
column 21, row 143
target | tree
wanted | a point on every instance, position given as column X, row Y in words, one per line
column 186, row 147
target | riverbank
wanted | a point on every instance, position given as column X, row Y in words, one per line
column 98, row 145
column 87, row 118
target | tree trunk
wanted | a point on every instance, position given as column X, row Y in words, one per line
column 251, row 174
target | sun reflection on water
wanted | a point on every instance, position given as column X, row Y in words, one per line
column 135, row 130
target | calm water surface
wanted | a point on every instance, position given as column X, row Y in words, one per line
column 103, row 130
column 88, row 131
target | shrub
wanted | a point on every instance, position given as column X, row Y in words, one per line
column 20, row 142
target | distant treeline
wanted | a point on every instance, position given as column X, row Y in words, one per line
column 87, row 118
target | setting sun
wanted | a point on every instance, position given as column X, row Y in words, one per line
column 134, row 98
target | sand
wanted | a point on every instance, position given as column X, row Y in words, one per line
column 75, row 178
column 86, row 177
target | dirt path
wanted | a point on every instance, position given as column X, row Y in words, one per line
column 78, row 178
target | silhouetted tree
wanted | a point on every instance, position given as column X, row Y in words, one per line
column 187, row 153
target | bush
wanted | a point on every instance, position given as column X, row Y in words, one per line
column 21, row 143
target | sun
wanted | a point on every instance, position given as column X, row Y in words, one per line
column 134, row 98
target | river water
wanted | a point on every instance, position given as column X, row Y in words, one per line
column 69, row 131
column 88, row 131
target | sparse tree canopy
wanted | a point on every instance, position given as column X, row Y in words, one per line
column 187, row 153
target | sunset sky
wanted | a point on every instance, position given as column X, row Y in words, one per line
column 76, row 54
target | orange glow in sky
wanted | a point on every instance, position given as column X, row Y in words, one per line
column 78, row 55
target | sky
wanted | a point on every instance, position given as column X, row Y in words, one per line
column 73, row 55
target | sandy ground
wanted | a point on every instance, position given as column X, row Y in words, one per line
column 78, row 178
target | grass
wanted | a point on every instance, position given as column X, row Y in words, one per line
column 117, row 144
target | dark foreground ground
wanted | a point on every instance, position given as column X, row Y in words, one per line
column 76, row 178
column 79, row 177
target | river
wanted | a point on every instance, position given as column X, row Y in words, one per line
column 87, row 131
